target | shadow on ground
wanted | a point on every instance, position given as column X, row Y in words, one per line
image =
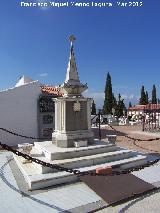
column 133, row 202
column 155, row 154
column 24, row 194
column 105, row 132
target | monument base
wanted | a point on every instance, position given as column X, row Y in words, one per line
column 68, row 139
column 84, row 159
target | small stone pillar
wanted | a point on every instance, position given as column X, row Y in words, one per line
column 111, row 138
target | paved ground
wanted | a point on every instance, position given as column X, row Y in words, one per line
column 15, row 198
column 68, row 198
column 148, row 203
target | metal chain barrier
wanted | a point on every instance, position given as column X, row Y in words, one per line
column 36, row 138
column 93, row 117
column 22, row 136
column 74, row 171
column 137, row 139
column 43, row 163
column 151, row 150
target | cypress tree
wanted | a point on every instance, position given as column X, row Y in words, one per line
column 142, row 100
column 147, row 98
column 120, row 107
column 108, row 101
column 93, row 110
column 130, row 104
column 114, row 102
column 154, row 95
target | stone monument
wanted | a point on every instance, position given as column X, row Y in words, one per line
column 72, row 111
column 72, row 145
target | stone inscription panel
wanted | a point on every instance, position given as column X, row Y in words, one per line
column 76, row 120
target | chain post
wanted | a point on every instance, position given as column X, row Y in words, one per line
column 143, row 119
column 99, row 126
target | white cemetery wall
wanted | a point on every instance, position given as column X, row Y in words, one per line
column 18, row 112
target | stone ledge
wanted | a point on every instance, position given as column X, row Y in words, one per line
column 78, row 144
column 37, row 181
column 52, row 152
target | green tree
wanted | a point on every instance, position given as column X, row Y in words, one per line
column 142, row 100
column 130, row 104
column 120, row 107
column 108, row 101
column 114, row 103
column 93, row 109
column 147, row 98
column 154, row 95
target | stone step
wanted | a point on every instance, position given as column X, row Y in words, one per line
column 36, row 153
column 52, row 152
column 37, row 181
column 86, row 160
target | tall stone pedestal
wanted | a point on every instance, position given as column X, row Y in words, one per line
column 72, row 121
column 71, row 146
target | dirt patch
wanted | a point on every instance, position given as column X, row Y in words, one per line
column 122, row 131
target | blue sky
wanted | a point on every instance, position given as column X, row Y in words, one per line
column 122, row 40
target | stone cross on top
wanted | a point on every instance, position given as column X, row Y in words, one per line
column 72, row 39
column 72, row 73
column 72, row 85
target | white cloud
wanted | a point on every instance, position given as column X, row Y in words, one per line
column 45, row 74
column 134, row 99
column 130, row 97
column 98, row 97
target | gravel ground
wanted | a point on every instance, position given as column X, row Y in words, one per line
column 135, row 132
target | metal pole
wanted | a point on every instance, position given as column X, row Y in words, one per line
column 149, row 118
column 143, row 124
column 143, row 119
column 155, row 119
column 99, row 127
column 158, row 118
column 152, row 119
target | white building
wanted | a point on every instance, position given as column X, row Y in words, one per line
column 20, row 111
column 137, row 111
